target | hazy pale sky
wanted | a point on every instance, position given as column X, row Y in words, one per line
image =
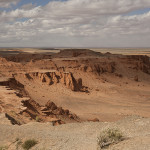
column 75, row 23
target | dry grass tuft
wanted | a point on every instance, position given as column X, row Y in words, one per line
column 108, row 137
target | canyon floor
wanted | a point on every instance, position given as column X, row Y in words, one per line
column 66, row 98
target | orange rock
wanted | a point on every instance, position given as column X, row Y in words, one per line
column 50, row 105
column 94, row 120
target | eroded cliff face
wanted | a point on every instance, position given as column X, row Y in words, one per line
column 46, row 77
column 50, row 112
column 50, row 78
column 2, row 60
column 19, row 108
column 99, row 68
column 140, row 63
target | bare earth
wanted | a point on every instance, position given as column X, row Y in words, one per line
column 78, row 136
column 74, row 86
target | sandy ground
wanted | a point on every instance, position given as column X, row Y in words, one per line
column 125, row 51
column 80, row 136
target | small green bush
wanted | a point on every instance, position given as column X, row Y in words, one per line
column 3, row 147
column 37, row 119
column 29, row 143
column 108, row 137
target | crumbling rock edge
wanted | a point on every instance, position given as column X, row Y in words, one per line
column 30, row 111
column 65, row 78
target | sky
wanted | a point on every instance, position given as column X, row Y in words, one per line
column 75, row 23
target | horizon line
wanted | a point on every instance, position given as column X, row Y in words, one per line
column 42, row 47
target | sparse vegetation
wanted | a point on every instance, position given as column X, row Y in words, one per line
column 19, row 142
column 29, row 144
column 37, row 119
column 108, row 137
column 3, row 147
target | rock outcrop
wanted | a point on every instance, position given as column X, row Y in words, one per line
column 50, row 78
column 26, row 57
column 25, row 109
column 99, row 68
column 140, row 63
column 4, row 119
column 76, row 53
column 3, row 60
column 48, row 113
column 54, row 110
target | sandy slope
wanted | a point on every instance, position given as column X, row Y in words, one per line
column 80, row 136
